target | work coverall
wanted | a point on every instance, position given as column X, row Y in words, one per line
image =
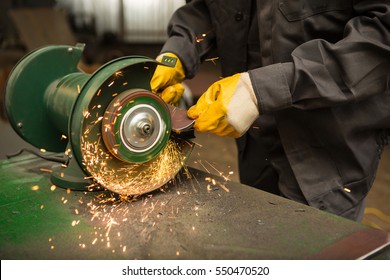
column 320, row 70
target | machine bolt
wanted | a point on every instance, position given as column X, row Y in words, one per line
column 20, row 125
column 70, row 50
column 146, row 128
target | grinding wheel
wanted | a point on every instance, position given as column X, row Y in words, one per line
column 136, row 153
column 136, row 126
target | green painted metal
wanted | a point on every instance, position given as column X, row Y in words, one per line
column 26, row 89
column 48, row 97
column 108, row 81
column 60, row 98
column 45, row 85
column 187, row 220
column 71, row 176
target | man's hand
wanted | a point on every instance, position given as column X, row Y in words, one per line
column 166, row 80
column 228, row 107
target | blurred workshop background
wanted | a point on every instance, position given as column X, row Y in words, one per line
column 116, row 28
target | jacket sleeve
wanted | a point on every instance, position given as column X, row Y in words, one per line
column 322, row 74
column 191, row 35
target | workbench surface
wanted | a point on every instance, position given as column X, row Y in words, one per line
column 196, row 216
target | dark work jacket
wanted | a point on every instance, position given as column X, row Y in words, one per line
column 325, row 78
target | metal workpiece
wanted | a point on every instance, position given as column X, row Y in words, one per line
column 195, row 216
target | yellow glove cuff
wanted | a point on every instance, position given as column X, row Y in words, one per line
column 228, row 107
column 211, row 109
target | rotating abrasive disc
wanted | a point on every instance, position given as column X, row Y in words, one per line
column 136, row 126
column 135, row 152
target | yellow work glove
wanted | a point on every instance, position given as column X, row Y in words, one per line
column 228, row 107
column 167, row 78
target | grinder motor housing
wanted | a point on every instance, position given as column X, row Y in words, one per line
column 111, row 113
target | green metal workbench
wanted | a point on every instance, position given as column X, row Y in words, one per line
column 197, row 216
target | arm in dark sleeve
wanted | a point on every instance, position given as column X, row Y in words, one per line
column 322, row 74
column 191, row 35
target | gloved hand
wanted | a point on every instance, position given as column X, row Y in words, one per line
column 166, row 80
column 228, row 107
